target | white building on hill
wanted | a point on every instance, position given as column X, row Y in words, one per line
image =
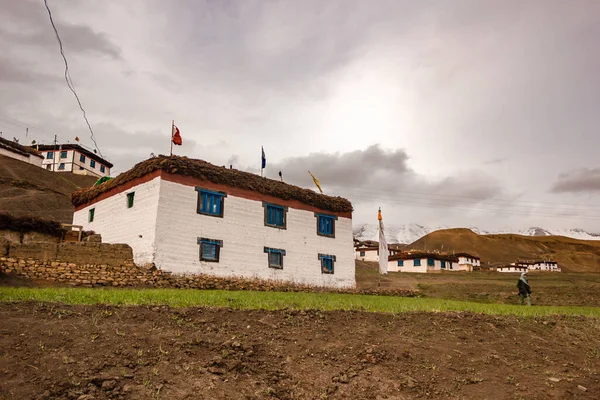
column 365, row 253
column 17, row 151
column 540, row 265
column 422, row 262
column 191, row 217
column 512, row 268
column 73, row 158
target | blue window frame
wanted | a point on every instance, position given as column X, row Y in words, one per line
column 210, row 203
column 417, row 262
column 63, row 154
column 362, row 253
column 325, row 225
column 61, row 166
column 327, row 263
column 82, row 158
column 50, row 155
column 275, row 215
column 210, row 249
column 130, row 198
column 91, row 214
column 450, row 265
column 401, row 263
column 430, row 262
column 443, row 264
column 92, row 163
column 275, row 257
column 102, row 169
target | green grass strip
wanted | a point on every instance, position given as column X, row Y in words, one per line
column 276, row 300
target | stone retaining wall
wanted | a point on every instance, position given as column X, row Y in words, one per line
column 127, row 274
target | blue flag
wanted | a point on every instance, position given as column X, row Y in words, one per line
column 264, row 159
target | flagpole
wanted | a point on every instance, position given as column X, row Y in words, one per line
column 172, row 126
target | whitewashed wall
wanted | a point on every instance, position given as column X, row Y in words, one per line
column 244, row 237
column 409, row 266
column 37, row 161
column 370, row 255
column 511, row 269
column 135, row 226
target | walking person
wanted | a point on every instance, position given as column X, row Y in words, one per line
column 524, row 289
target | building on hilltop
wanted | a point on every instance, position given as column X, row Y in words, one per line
column 188, row 216
column 467, row 262
column 422, row 262
column 367, row 253
column 539, row 265
column 512, row 268
column 17, row 151
column 73, row 158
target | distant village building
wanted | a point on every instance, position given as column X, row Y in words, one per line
column 512, row 268
column 364, row 253
column 422, row 262
column 19, row 152
column 73, row 158
column 540, row 265
column 467, row 262
column 191, row 217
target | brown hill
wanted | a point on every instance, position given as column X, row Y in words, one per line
column 29, row 190
column 572, row 255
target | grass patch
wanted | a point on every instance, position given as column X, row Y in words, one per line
column 275, row 300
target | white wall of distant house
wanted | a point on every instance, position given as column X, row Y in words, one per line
column 409, row 266
column 72, row 163
column 544, row 266
column 135, row 226
column 511, row 268
column 34, row 160
column 370, row 255
column 244, row 237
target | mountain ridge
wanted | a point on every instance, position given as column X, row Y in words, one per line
column 411, row 232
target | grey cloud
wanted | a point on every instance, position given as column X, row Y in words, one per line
column 581, row 180
column 11, row 72
column 34, row 29
column 374, row 173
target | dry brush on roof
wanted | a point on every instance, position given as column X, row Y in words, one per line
column 206, row 171
column 18, row 148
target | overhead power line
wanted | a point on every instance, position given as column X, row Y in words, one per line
column 69, row 80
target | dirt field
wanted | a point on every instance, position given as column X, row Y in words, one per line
column 549, row 288
column 98, row 352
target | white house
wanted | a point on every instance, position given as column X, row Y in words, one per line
column 540, row 265
column 512, row 268
column 17, row 151
column 190, row 217
column 467, row 262
column 73, row 158
column 367, row 253
column 422, row 262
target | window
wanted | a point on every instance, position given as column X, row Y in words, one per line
column 275, row 215
column 82, row 158
column 210, row 203
column 61, row 166
column 450, row 265
column 92, row 163
column 401, row 263
column 362, row 253
column 210, row 249
column 443, row 264
column 130, row 197
column 50, row 155
column 48, row 167
column 430, row 262
column 91, row 214
column 325, row 225
column 417, row 263
column 102, row 169
column 80, row 168
column 63, row 154
column 327, row 262
column 275, row 257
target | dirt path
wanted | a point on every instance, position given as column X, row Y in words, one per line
column 98, row 352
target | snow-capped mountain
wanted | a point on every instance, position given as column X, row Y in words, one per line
column 409, row 233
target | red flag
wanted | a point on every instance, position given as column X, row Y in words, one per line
column 176, row 137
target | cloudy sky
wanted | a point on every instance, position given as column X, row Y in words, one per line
column 461, row 113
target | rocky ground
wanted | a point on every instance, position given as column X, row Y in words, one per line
column 50, row 351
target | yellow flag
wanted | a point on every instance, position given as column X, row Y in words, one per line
column 316, row 182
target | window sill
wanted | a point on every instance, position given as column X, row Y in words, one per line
column 325, row 235
column 276, row 226
column 209, row 214
column 276, row 266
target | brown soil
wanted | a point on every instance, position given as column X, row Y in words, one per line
column 50, row 351
column 572, row 255
column 29, row 190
